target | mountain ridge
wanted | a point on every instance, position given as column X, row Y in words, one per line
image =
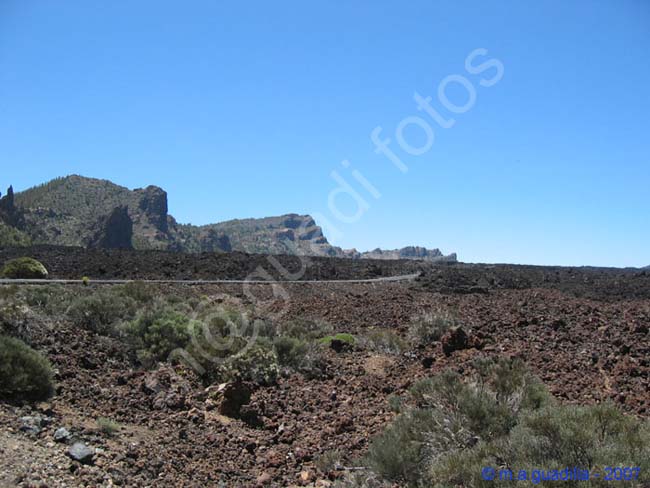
column 95, row 213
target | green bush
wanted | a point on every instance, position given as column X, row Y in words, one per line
column 290, row 351
column 102, row 310
column 383, row 340
column 503, row 416
column 255, row 362
column 24, row 268
column 308, row 330
column 107, row 426
column 329, row 461
column 555, row 438
column 51, row 299
column 300, row 356
column 139, row 291
column 24, row 373
column 344, row 337
column 395, row 403
column 430, row 327
column 157, row 332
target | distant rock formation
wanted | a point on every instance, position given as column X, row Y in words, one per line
column 9, row 213
column 7, row 203
column 410, row 252
column 87, row 212
column 113, row 231
column 152, row 202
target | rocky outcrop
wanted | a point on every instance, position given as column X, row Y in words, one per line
column 113, row 231
column 286, row 234
column 9, row 213
column 152, row 203
column 410, row 252
column 7, row 203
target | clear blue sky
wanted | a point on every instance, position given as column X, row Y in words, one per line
column 244, row 109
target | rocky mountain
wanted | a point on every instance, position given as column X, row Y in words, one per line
column 93, row 213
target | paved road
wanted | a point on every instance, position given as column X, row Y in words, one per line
column 409, row 277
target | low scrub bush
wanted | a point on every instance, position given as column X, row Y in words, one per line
column 24, row 268
column 502, row 417
column 308, row 330
column 383, row 340
column 157, row 332
column 51, row 299
column 256, row 362
column 223, row 345
column 430, row 327
column 395, row 403
column 300, row 356
column 138, row 291
column 102, row 310
column 329, row 461
column 107, row 426
column 343, row 337
column 290, row 351
column 24, row 373
column 555, row 438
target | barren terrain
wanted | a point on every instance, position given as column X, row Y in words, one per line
column 584, row 332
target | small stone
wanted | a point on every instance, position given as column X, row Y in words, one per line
column 82, row 453
column 306, row 476
column 62, row 435
column 263, row 479
column 31, row 425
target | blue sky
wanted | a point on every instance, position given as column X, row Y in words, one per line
column 244, row 109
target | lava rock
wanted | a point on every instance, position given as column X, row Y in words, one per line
column 62, row 435
column 82, row 453
column 233, row 397
column 31, row 425
column 454, row 340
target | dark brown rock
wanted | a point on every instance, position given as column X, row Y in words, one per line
column 454, row 339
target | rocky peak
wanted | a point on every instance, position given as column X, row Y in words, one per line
column 7, row 203
column 9, row 213
column 153, row 203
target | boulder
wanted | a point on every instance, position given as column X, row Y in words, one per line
column 455, row 339
column 231, row 397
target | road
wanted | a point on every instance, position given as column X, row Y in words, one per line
column 409, row 277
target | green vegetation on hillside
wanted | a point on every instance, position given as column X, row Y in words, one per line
column 10, row 237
